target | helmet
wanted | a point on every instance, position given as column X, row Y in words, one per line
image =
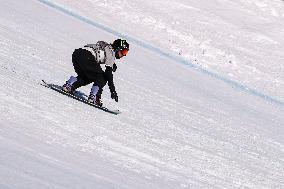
column 120, row 44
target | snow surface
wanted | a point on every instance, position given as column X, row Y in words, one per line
column 242, row 40
column 216, row 121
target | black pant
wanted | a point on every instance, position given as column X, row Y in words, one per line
column 88, row 70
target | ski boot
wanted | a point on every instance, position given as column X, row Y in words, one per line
column 95, row 96
column 67, row 87
column 96, row 100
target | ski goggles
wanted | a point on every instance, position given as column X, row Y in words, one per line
column 124, row 52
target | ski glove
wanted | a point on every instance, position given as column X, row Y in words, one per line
column 114, row 96
column 114, row 67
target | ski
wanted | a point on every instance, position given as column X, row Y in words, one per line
column 77, row 96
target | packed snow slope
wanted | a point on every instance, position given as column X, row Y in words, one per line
column 242, row 40
column 179, row 127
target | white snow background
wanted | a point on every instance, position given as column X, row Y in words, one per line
column 201, row 94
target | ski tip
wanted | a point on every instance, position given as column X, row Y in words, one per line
column 43, row 81
column 117, row 112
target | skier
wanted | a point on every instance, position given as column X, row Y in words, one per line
column 95, row 63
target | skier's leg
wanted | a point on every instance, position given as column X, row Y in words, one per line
column 98, row 97
column 67, row 87
column 77, row 59
column 82, row 62
column 74, row 83
column 81, row 81
column 95, row 97
column 96, row 91
column 99, row 93
column 93, row 93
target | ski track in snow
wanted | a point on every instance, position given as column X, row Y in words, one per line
column 179, row 128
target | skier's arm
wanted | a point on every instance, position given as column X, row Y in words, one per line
column 109, row 78
column 110, row 67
